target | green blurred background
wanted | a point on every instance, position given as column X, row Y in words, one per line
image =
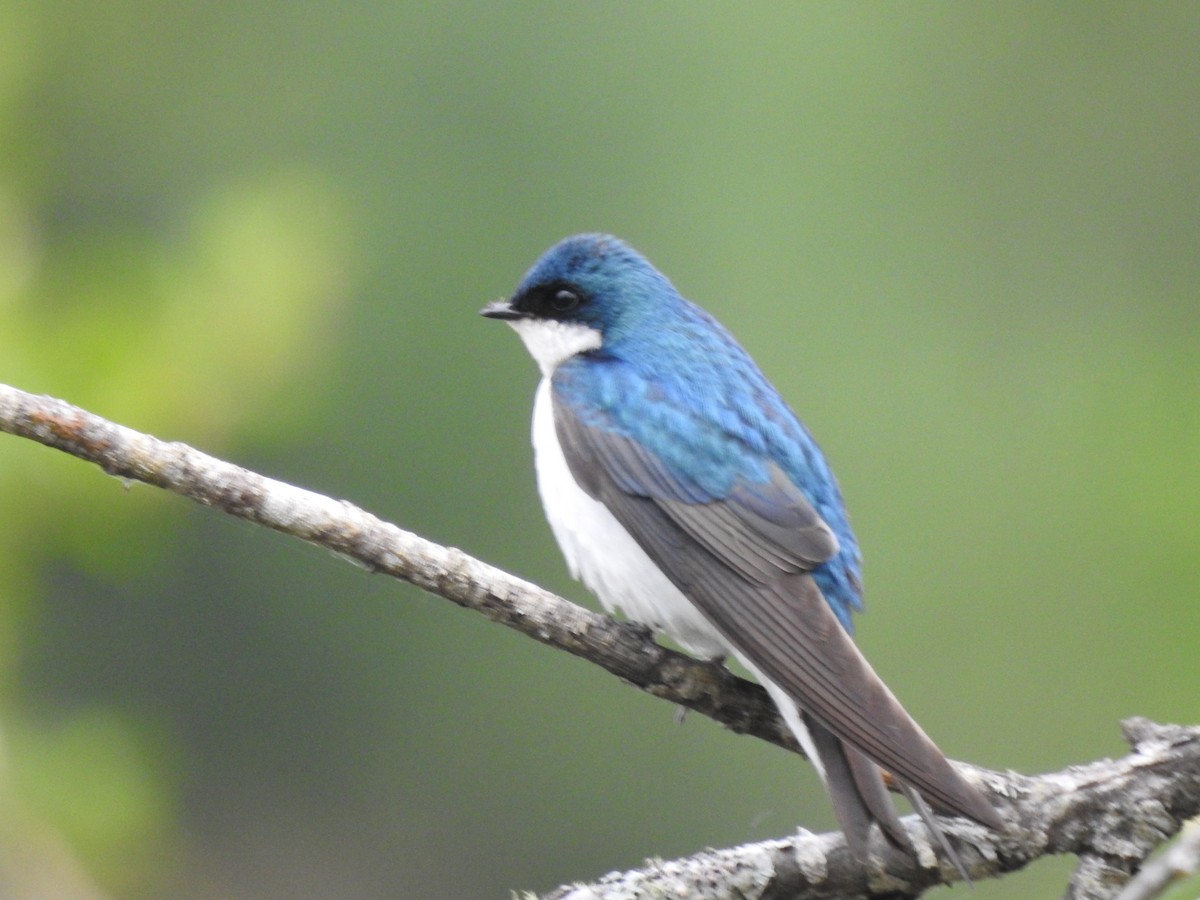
column 962, row 239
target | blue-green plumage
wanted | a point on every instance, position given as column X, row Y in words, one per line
column 671, row 377
column 713, row 420
column 684, row 490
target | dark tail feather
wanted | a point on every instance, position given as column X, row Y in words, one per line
column 926, row 814
column 860, row 797
column 851, row 810
column 857, row 792
column 869, row 779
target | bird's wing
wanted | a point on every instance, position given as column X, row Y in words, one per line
column 743, row 560
column 759, row 530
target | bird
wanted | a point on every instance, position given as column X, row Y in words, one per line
column 684, row 493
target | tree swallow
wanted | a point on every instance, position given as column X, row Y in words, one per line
column 684, row 491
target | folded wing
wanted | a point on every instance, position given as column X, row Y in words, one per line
column 744, row 560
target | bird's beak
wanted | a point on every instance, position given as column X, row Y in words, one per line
column 501, row 309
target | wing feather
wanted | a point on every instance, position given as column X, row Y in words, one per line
column 760, row 530
column 744, row 560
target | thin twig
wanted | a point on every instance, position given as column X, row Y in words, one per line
column 1179, row 861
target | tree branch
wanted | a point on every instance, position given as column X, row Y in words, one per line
column 1109, row 814
column 1175, row 863
column 625, row 649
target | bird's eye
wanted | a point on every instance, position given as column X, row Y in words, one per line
column 564, row 301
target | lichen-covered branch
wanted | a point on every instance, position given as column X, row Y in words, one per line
column 1110, row 814
column 1181, row 860
column 622, row 648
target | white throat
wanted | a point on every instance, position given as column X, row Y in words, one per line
column 551, row 342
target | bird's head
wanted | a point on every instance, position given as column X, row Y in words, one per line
column 586, row 292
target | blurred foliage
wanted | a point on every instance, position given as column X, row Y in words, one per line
column 192, row 325
column 962, row 239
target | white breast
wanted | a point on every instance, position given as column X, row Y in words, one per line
column 600, row 552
